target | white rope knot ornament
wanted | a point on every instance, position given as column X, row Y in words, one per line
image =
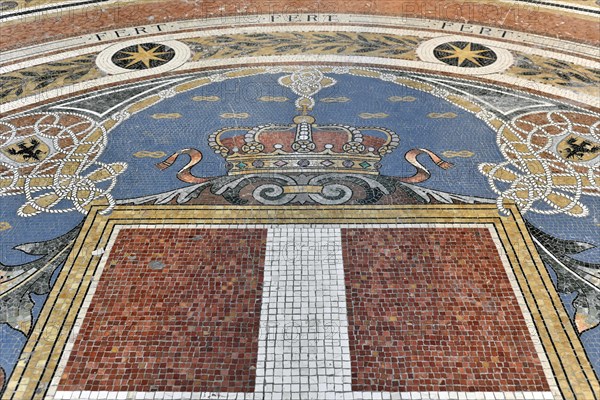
column 70, row 178
column 552, row 160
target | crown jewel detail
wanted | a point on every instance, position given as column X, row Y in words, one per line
column 303, row 146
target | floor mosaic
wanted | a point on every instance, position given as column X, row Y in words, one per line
column 210, row 344
column 465, row 332
column 391, row 200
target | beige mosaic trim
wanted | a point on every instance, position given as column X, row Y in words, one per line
column 295, row 43
column 551, row 71
column 40, row 78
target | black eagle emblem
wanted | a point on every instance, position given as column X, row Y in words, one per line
column 27, row 152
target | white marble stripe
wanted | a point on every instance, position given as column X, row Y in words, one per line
column 303, row 340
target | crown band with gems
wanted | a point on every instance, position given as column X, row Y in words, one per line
column 303, row 146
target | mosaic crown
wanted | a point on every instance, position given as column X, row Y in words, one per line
column 303, row 146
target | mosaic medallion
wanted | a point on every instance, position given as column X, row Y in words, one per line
column 143, row 56
column 461, row 56
column 465, row 54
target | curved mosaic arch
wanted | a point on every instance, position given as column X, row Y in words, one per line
column 408, row 48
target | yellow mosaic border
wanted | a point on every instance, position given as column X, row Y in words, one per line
column 573, row 373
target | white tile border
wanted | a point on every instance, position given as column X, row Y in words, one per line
column 303, row 226
column 295, row 229
column 85, row 395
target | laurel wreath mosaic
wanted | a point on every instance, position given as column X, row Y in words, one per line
column 347, row 43
column 28, row 81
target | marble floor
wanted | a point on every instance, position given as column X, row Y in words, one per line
column 359, row 200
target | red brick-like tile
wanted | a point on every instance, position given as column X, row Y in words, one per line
column 433, row 310
column 190, row 326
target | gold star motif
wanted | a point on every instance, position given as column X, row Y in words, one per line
column 144, row 56
column 465, row 53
